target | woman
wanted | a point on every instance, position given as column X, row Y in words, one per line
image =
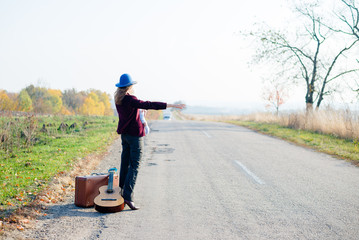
column 132, row 131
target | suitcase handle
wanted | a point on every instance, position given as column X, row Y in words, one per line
column 97, row 174
column 111, row 169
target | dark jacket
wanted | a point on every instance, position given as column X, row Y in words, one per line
column 129, row 116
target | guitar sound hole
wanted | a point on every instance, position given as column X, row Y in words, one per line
column 109, row 191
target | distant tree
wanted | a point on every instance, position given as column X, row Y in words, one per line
column 45, row 100
column 37, row 95
column 275, row 95
column 99, row 105
column 25, row 102
column 6, row 104
column 57, row 103
column 96, row 103
column 89, row 107
column 73, row 100
column 312, row 54
column 53, row 101
column 105, row 99
column 14, row 103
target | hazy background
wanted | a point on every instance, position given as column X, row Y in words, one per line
column 188, row 50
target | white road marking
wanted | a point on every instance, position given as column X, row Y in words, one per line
column 205, row 133
column 252, row 175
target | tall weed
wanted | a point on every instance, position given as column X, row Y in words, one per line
column 17, row 132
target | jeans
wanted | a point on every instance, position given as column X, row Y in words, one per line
column 132, row 149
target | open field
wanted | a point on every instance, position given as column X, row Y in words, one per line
column 34, row 150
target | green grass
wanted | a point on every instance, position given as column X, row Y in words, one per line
column 342, row 148
column 25, row 171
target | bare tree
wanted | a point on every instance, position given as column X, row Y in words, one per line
column 275, row 95
column 311, row 54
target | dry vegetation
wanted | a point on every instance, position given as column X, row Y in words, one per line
column 340, row 123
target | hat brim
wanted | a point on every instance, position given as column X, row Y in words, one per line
column 126, row 85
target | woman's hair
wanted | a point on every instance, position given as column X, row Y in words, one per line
column 120, row 94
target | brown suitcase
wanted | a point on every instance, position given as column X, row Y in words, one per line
column 86, row 188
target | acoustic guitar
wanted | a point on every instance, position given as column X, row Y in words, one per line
column 109, row 200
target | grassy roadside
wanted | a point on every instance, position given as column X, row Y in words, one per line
column 25, row 172
column 340, row 148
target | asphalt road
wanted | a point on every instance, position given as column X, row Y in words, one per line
column 204, row 180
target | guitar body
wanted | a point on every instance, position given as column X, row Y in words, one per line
column 109, row 200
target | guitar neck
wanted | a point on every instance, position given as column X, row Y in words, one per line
column 110, row 183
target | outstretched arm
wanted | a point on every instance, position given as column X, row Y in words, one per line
column 134, row 102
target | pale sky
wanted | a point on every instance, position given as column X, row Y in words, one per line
column 187, row 50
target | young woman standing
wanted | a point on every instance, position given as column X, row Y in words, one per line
column 132, row 131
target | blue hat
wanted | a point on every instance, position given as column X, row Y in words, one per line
column 125, row 81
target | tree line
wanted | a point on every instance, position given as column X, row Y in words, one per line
column 52, row 101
